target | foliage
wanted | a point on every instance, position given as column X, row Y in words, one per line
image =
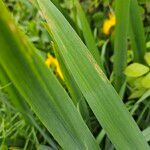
column 56, row 74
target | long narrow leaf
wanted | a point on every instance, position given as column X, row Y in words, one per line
column 74, row 90
column 137, row 32
column 120, row 46
column 40, row 88
column 87, row 33
column 99, row 93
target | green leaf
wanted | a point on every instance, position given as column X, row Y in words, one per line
column 146, row 81
column 99, row 93
column 137, row 82
column 103, row 55
column 136, row 70
column 147, row 58
column 120, row 45
column 142, row 99
column 40, row 88
column 146, row 133
column 74, row 90
column 137, row 93
column 100, row 136
column 137, row 34
column 87, row 33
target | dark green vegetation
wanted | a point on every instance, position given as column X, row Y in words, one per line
column 100, row 97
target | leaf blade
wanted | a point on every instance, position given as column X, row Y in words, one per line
column 92, row 82
column 38, row 86
column 87, row 33
column 120, row 45
column 137, row 32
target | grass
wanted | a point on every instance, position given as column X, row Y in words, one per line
column 82, row 110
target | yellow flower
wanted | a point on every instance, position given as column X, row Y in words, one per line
column 109, row 23
column 51, row 61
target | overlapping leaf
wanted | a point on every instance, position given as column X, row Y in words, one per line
column 40, row 88
column 120, row 45
column 99, row 93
